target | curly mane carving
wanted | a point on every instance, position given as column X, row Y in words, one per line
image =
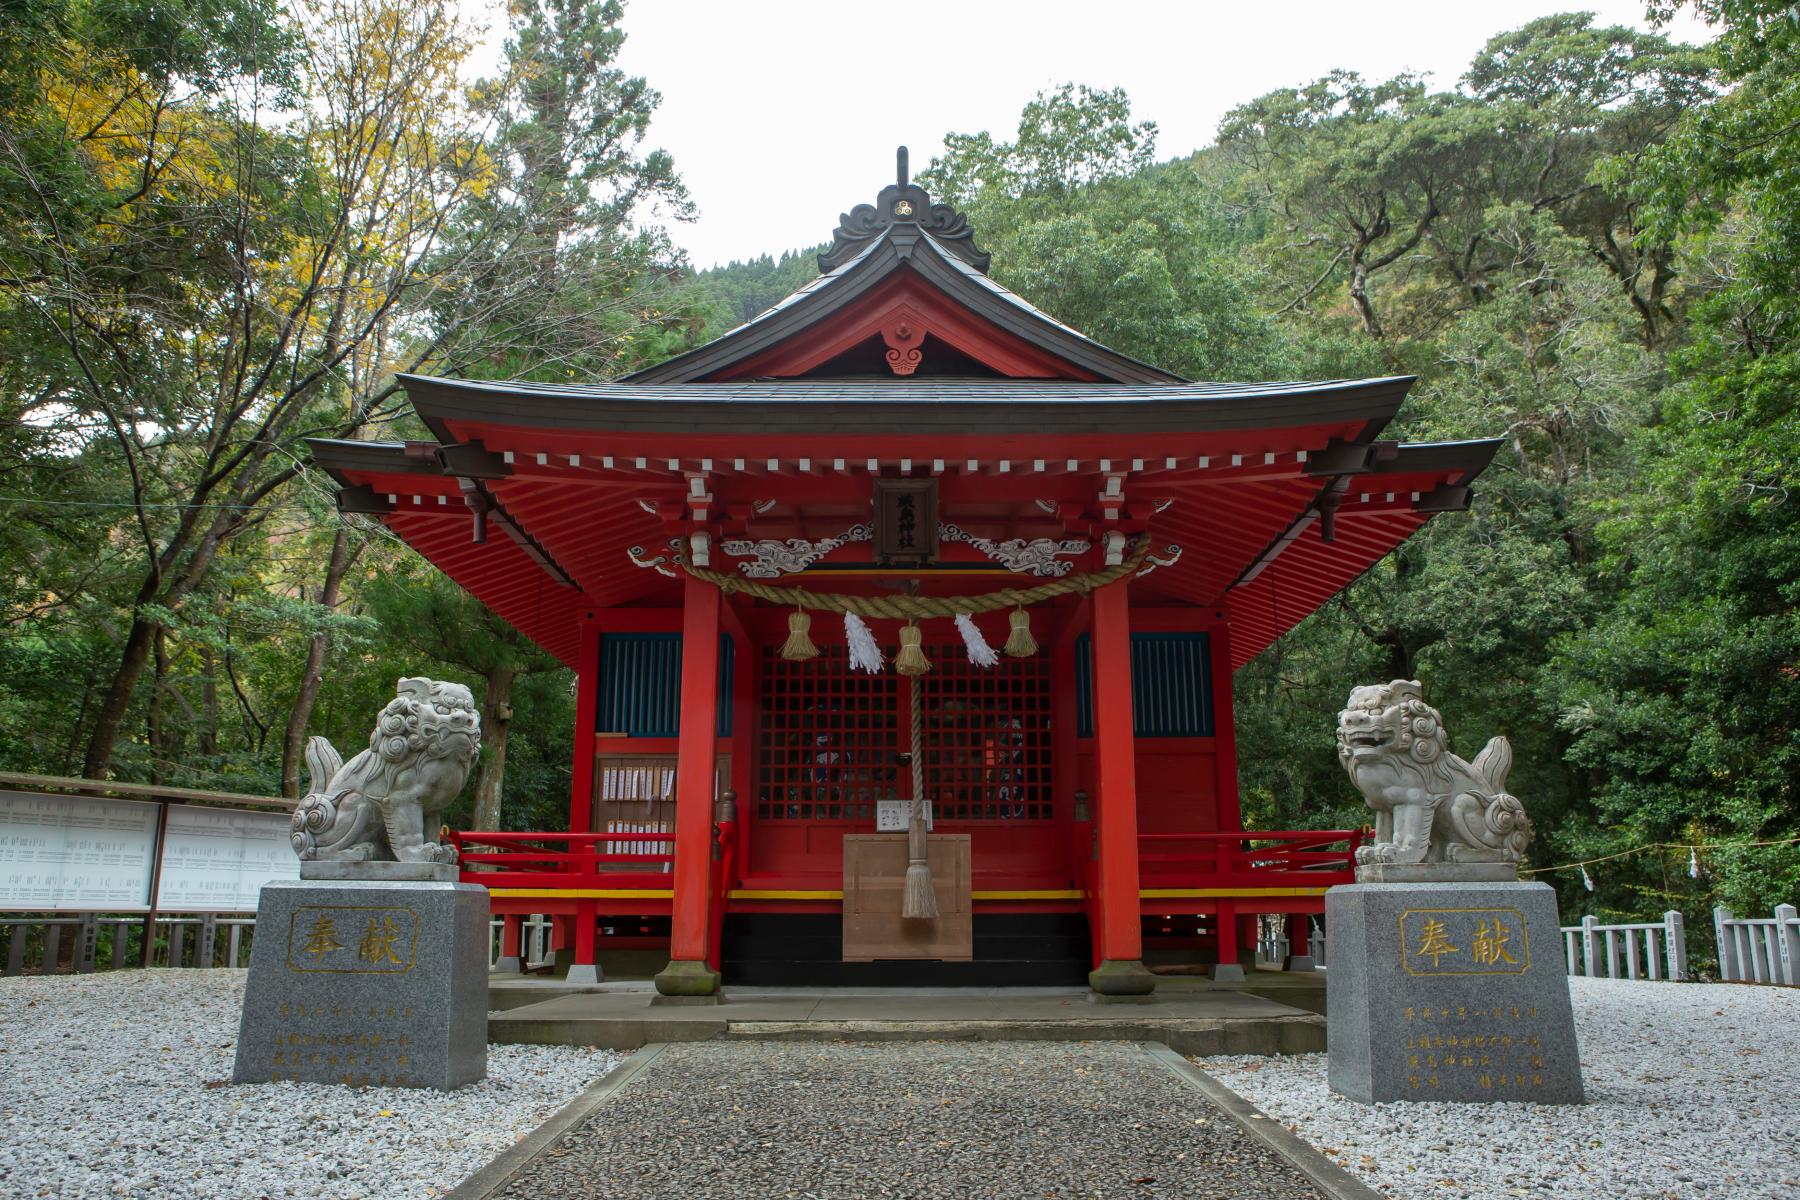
column 379, row 805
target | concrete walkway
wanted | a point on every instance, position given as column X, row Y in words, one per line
column 937, row 1120
column 1193, row 1016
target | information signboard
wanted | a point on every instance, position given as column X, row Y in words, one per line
column 217, row 859
column 75, row 852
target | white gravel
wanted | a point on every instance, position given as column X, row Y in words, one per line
column 1691, row 1093
column 115, row 1084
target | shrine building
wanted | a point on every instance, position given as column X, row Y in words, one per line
column 904, row 437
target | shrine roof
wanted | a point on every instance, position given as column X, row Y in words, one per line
column 780, row 428
column 904, row 234
column 870, row 404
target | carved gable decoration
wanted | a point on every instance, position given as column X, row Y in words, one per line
column 906, row 521
column 904, row 204
column 904, row 332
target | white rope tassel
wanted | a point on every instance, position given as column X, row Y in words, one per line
column 980, row 653
column 1587, row 879
column 865, row 653
column 1693, row 863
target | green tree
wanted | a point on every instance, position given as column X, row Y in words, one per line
column 1067, row 138
column 570, row 266
column 1681, row 698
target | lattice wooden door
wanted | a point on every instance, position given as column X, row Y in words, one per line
column 987, row 737
column 829, row 743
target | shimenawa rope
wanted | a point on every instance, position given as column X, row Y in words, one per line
column 904, row 608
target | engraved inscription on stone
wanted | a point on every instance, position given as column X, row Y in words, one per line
column 1498, row 1046
column 1464, row 941
column 360, row 939
column 358, row 1045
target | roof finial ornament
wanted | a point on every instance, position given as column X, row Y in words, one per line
column 904, row 203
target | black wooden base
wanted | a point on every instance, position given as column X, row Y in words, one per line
column 805, row 949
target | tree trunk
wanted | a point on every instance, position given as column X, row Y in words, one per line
column 111, row 717
column 154, row 726
column 1359, row 298
column 293, row 742
column 496, row 717
column 208, row 746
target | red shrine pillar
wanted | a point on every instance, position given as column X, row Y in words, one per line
column 1118, row 936
column 696, row 752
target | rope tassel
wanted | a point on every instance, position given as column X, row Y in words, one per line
column 911, row 659
column 1019, row 642
column 799, row 645
column 980, row 653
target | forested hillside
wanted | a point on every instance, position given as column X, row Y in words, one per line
column 1589, row 245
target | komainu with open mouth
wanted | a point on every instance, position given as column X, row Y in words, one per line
column 379, row 805
column 1430, row 805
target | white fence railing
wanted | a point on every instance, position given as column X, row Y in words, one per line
column 535, row 942
column 1627, row 951
column 1272, row 944
column 1759, row 950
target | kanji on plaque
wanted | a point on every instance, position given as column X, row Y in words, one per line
column 1464, row 941
column 376, row 940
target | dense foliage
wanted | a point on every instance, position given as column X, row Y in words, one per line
column 228, row 225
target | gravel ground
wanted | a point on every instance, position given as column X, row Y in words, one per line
column 945, row 1120
column 111, row 1085
column 1691, row 1094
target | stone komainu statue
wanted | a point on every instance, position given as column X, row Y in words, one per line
column 380, row 804
column 1430, row 805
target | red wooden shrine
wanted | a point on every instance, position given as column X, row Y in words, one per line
column 715, row 781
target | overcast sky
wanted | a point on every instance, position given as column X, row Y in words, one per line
column 783, row 113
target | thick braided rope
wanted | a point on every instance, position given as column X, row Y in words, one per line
column 904, row 608
column 917, row 685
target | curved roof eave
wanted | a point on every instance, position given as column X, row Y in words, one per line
column 906, row 407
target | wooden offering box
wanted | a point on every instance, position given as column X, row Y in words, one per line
column 875, row 876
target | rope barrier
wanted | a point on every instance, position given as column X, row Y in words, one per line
column 1689, row 846
column 906, row 608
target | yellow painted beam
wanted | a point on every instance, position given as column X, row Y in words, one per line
column 1225, row 893
column 586, row 893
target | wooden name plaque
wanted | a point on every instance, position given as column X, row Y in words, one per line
column 875, row 877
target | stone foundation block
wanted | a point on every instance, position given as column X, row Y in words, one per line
column 367, row 984
column 1449, row 991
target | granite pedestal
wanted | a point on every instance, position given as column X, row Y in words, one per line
column 367, row 983
column 1448, row 991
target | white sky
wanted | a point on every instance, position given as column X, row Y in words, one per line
column 781, row 114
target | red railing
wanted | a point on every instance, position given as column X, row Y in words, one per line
column 1256, row 858
column 568, row 861
column 564, row 860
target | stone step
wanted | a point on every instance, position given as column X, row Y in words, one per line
column 1195, row 1019
column 1300, row 1033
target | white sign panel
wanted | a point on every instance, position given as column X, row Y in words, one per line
column 217, row 859
column 75, row 852
column 895, row 816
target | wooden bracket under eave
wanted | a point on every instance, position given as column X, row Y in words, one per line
column 363, row 499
